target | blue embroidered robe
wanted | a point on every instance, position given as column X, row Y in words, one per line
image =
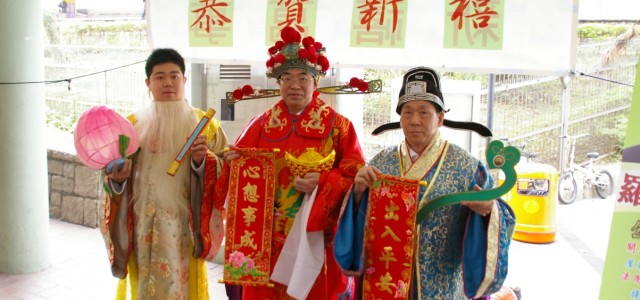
column 443, row 245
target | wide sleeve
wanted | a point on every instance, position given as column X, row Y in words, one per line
column 348, row 243
column 248, row 138
column 485, row 250
column 206, row 217
column 116, row 227
column 334, row 184
column 116, row 222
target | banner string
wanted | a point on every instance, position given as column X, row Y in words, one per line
column 601, row 78
column 68, row 80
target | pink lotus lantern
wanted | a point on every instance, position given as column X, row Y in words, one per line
column 102, row 136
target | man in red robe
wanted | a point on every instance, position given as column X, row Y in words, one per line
column 299, row 121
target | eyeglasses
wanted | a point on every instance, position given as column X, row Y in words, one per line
column 289, row 80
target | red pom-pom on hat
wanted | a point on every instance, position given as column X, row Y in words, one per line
column 323, row 62
column 238, row 94
column 290, row 35
column 247, row 90
column 363, row 86
column 354, row 82
column 278, row 59
column 303, row 53
column 273, row 50
column 313, row 59
column 312, row 50
column 279, row 45
column 317, row 45
column 308, row 42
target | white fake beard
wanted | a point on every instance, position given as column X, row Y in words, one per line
column 163, row 130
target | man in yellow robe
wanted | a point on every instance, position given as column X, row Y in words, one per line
column 158, row 228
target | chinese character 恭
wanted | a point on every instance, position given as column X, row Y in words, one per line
column 209, row 14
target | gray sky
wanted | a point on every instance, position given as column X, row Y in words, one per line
column 609, row 10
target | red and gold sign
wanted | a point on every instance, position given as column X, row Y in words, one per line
column 250, row 218
column 389, row 237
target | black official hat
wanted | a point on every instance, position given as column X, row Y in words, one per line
column 421, row 83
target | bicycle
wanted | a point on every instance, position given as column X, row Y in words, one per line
column 529, row 156
column 592, row 177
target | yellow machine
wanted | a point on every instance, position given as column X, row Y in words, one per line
column 533, row 199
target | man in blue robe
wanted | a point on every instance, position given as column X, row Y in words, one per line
column 461, row 250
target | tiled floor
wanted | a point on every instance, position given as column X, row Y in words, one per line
column 568, row 268
column 79, row 270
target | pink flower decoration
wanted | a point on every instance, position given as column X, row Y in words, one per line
column 250, row 264
column 97, row 137
column 236, row 259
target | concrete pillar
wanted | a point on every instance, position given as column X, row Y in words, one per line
column 24, row 214
column 198, row 82
column 351, row 106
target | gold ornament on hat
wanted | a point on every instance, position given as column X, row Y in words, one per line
column 310, row 161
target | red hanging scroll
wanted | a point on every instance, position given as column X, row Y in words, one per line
column 249, row 218
column 389, row 237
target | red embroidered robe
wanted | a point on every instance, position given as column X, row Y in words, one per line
column 322, row 128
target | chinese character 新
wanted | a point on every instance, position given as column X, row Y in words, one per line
column 371, row 8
